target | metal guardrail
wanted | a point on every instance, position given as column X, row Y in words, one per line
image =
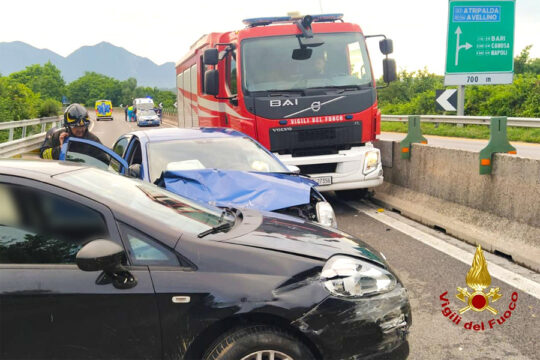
column 28, row 143
column 25, row 143
column 467, row 120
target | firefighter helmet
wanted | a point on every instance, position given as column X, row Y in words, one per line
column 76, row 115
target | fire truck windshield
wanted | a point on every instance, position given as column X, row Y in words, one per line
column 268, row 65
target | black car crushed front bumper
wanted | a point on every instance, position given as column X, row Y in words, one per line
column 360, row 327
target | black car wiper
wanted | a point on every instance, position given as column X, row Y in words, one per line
column 215, row 229
column 221, row 226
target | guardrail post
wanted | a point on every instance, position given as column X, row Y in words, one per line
column 23, row 132
column 498, row 143
column 414, row 135
column 10, row 134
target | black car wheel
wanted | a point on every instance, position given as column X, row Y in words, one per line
column 258, row 342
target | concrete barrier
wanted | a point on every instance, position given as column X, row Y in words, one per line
column 441, row 187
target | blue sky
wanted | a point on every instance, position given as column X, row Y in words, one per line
column 163, row 30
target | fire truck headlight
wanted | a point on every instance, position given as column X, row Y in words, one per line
column 349, row 277
column 371, row 161
column 325, row 214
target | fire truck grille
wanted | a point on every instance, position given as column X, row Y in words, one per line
column 316, row 134
column 315, row 139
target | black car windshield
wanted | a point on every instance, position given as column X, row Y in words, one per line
column 146, row 199
column 232, row 153
column 341, row 61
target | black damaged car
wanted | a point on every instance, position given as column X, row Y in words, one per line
column 96, row 265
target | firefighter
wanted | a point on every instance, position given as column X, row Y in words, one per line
column 76, row 121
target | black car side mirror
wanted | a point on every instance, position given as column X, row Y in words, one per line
column 100, row 255
column 107, row 256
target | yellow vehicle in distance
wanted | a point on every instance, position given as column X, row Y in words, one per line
column 103, row 110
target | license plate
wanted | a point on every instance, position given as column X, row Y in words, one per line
column 323, row 180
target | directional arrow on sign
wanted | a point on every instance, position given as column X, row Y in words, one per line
column 446, row 99
column 467, row 46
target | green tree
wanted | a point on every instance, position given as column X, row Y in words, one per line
column 127, row 92
column 412, row 93
column 50, row 107
column 44, row 80
column 17, row 101
column 524, row 64
column 521, row 98
column 93, row 86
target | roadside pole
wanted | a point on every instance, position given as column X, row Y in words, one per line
column 460, row 102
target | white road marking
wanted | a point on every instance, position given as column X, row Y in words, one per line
column 511, row 278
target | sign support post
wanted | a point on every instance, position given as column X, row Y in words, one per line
column 461, row 101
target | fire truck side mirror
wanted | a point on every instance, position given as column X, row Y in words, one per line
column 386, row 46
column 211, row 82
column 210, row 57
column 389, row 70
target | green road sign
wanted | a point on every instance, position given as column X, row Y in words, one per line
column 480, row 43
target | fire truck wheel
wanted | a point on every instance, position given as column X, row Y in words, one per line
column 355, row 194
column 256, row 342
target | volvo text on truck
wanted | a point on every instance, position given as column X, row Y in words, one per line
column 303, row 87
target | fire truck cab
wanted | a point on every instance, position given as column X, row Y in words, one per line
column 303, row 87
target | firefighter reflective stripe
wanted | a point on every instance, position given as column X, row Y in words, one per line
column 47, row 154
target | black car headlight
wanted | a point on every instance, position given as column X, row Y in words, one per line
column 349, row 277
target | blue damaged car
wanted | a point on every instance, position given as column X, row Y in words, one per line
column 218, row 166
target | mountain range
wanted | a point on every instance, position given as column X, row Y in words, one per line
column 103, row 58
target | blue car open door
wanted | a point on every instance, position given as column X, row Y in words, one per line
column 92, row 153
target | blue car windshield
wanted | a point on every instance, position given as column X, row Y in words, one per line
column 232, row 153
column 146, row 199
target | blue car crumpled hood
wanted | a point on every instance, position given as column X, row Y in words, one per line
column 261, row 191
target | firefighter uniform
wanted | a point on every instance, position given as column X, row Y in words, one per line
column 51, row 146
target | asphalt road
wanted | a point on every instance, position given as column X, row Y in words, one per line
column 109, row 131
column 427, row 273
column 527, row 150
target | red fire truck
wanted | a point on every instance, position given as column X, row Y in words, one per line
column 303, row 87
